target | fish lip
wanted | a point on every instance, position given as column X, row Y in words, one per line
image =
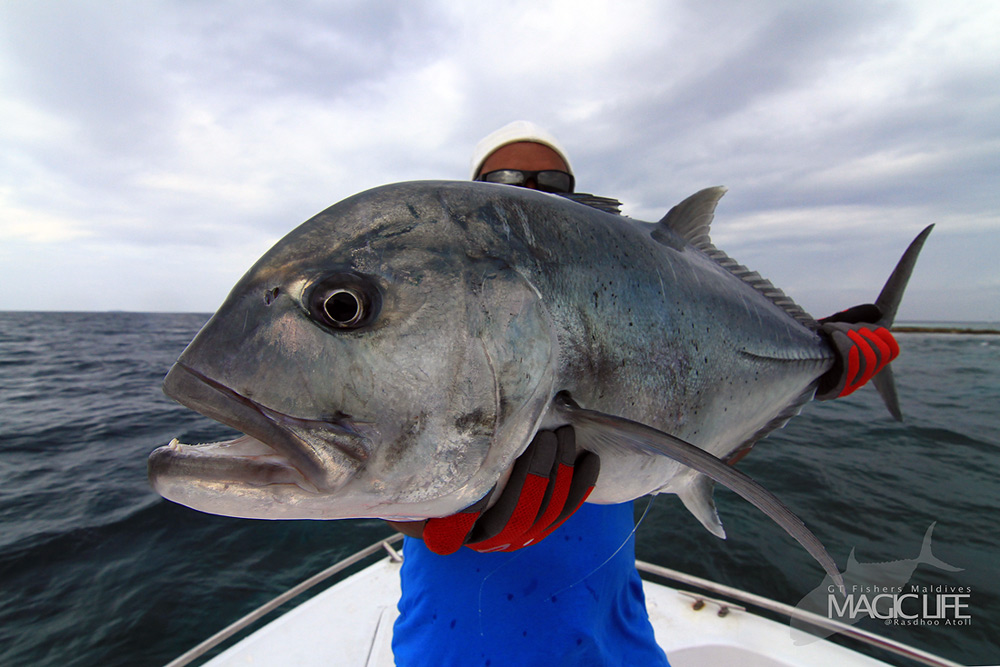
column 289, row 436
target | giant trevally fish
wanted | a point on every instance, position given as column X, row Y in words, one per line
column 392, row 356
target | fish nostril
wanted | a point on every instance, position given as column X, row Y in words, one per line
column 270, row 295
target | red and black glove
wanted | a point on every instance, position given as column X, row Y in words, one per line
column 548, row 483
column 862, row 350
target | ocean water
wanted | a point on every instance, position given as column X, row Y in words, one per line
column 96, row 569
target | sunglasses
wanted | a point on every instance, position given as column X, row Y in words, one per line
column 548, row 180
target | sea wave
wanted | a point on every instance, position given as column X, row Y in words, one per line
column 95, row 569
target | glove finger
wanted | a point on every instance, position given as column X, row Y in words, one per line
column 856, row 363
column 516, row 509
column 446, row 535
column 561, row 481
column 890, row 341
column 881, row 349
column 867, row 363
column 585, row 473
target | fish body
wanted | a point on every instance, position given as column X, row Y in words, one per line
column 393, row 355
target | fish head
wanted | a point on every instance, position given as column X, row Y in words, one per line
column 382, row 360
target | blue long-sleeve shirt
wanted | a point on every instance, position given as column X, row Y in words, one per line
column 573, row 599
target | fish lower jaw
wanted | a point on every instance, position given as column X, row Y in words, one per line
column 243, row 460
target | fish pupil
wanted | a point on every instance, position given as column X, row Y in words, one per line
column 344, row 307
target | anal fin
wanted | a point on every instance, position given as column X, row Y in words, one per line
column 697, row 497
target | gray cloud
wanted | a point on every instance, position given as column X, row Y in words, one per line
column 156, row 149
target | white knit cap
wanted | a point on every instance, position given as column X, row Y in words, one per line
column 512, row 133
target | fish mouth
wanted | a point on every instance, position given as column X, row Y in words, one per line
column 318, row 455
column 244, row 460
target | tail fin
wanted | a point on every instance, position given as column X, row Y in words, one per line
column 888, row 303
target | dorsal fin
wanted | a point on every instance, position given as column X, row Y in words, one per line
column 691, row 220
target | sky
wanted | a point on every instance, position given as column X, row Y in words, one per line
column 151, row 151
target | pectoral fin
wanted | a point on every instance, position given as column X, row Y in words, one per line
column 620, row 433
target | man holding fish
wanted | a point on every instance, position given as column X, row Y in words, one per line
column 477, row 360
column 576, row 598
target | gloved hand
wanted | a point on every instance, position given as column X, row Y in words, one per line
column 547, row 485
column 862, row 350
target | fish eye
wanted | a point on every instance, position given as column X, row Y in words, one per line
column 345, row 301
